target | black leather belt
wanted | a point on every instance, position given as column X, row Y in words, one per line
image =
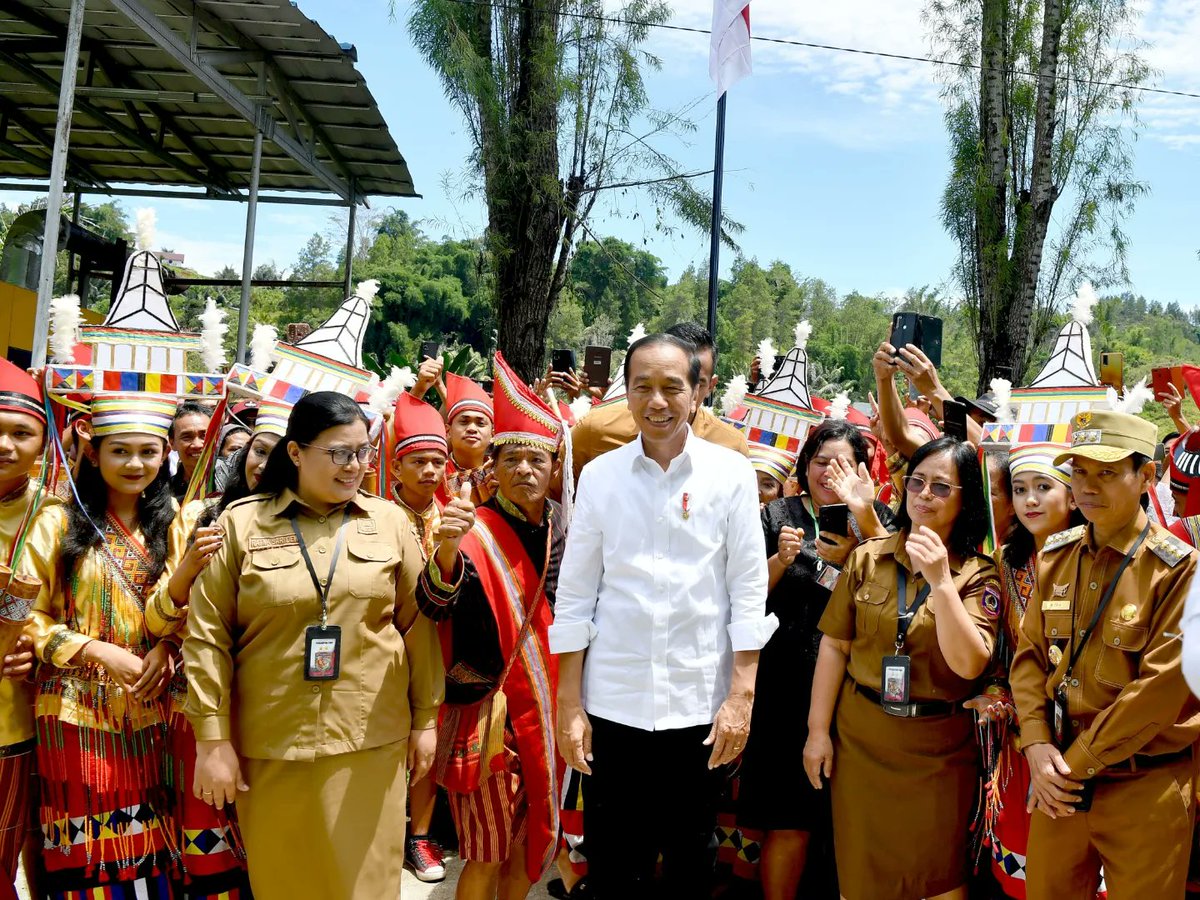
column 1140, row 761
column 917, row 710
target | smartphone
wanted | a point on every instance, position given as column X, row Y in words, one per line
column 904, row 330
column 954, row 419
column 430, row 350
column 1160, row 459
column 1112, row 370
column 834, row 519
column 1162, row 378
column 923, row 332
column 597, row 363
column 562, row 361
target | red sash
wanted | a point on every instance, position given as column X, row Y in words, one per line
column 509, row 581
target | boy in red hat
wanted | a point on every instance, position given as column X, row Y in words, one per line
column 470, row 423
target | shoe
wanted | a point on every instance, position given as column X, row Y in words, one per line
column 424, row 856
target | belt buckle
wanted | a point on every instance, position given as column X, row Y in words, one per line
column 900, row 710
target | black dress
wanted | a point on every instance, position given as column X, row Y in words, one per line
column 775, row 794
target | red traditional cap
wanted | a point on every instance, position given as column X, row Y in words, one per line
column 20, row 392
column 522, row 417
column 1185, row 472
column 417, row 426
column 923, row 422
column 463, row 394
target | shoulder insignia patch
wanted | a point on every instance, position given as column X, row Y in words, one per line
column 991, row 600
column 1063, row 538
column 269, row 543
column 1169, row 548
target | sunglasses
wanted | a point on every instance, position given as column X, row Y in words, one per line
column 341, row 456
column 915, row 484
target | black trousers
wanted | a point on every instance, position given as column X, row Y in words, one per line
column 650, row 793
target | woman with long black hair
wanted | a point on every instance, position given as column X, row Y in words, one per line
column 313, row 681
column 102, row 560
column 908, row 632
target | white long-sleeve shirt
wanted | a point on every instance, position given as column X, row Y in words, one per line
column 664, row 576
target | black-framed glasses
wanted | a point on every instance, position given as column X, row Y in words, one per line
column 341, row 456
column 915, row 484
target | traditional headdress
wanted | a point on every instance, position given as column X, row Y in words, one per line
column 19, row 392
column 463, row 394
column 1038, row 458
column 1185, row 472
column 779, row 464
column 132, row 414
column 272, row 418
column 417, row 426
column 522, row 417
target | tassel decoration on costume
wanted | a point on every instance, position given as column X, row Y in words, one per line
column 383, row 394
column 147, row 223
column 1134, row 400
column 1085, row 300
column 1002, row 395
column 840, row 406
column 803, row 331
column 65, row 319
column 734, row 394
column 262, row 347
column 766, row 359
column 213, row 328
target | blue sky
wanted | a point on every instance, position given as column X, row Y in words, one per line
column 835, row 162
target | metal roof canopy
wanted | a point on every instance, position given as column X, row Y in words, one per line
column 224, row 95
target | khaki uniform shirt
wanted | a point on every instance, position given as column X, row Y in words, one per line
column 16, row 695
column 864, row 611
column 1126, row 694
column 612, row 426
column 250, row 607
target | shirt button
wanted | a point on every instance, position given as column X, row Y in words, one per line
column 316, row 689
column 1116, row 642
column 1075, row 723
column 1053, row 631
column 1093, row 586
column 323, row 580
column 1091, row 771
column 1082, row 632
column 321, row 519
column 320, row 549
column 1074, row 682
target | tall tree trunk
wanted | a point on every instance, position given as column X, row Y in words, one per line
column 525, row 199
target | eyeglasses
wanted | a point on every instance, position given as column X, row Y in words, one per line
column 341, row 456
column 915, row 484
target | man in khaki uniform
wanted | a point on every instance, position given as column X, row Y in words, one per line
column 611, row 425
column 1098, row 685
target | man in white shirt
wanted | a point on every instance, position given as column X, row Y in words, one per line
column 663, row 590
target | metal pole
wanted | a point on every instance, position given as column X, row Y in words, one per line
column 71, row 256
column 346, row 288
column 714, row 250
column 58, row 176
column 248, row 250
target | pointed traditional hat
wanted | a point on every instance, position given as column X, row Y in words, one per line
column 1185, row 472
column 463, row 394
column 417, row 426
column 522, row 417
column 19, row 392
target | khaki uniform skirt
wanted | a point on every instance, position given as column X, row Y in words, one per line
column 903, row 791
column 331, row 828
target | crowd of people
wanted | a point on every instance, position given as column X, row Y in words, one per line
column 579, row 627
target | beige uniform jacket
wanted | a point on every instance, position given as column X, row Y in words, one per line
column 1126, row 694
column 611, row 426
column 863, row 610
column 252, row 604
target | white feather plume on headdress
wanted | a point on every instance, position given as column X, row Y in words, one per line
column 212, row 335
column 367, row 290
column 147, row 221
column 766, row 358
column 262, row 347
column 581, row 406
column 1112, row 397
column 803, row 332
column 1002, row 394
column 65, row 319
column 1135, row 399
column 734, row 394
column 840, row 406
column 639, row 332
column 383, row 394
column 1085, row 300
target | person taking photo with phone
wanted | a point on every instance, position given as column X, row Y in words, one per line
column 1108, row 725
column 908, row 632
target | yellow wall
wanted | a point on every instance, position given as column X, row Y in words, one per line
column 18, row 308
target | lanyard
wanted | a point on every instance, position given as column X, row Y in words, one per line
column 1104, row 601
column 905, row 615
column 322, row 592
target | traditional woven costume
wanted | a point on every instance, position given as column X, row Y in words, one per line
column 418, row 426
column 104, row 802
column 19, row 393
column 464, row 395
column 496, row 751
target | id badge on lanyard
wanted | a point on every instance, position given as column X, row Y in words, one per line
column 322, row 642
column 896, row 682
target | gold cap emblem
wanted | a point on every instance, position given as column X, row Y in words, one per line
column 1055, row 655
column 1084, row 419
column 1128, row 611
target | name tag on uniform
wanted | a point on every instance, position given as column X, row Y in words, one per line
column 322, row 652
column 896, row 670
column 827, row 576
column 1056, row 606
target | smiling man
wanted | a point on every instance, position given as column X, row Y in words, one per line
column 188, row 430
column 659, row 621
column 1107, row 722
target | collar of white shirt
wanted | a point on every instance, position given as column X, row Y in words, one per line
column 640, row 459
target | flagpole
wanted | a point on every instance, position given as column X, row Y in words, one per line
column 714, row 251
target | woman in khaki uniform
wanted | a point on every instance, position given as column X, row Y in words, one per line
column 898, row 681
column 303, row 705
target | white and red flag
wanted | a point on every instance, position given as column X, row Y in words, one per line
column 729, row 55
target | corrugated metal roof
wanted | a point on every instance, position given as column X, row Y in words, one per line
column 147, row 110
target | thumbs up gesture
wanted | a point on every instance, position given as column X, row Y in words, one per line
column 457, row 517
